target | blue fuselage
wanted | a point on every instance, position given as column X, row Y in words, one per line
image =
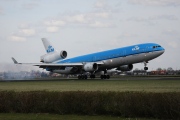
column 118, row 53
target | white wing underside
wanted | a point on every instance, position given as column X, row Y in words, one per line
column 56, row 64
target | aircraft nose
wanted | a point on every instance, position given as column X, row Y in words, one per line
column 163, row 50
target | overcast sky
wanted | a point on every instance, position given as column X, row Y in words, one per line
column 85, row 26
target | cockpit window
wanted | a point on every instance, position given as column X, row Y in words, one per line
column 156, row 46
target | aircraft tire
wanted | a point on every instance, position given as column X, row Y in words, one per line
column 79, row 77
column 105, row 76
column 82, row 77
column 102, row 76
column 145, row 68
column 92, row 76
column 85, row 77
column 108, row 76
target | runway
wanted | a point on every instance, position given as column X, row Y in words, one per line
column 119, row 78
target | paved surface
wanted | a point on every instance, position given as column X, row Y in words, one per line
column 112, row 78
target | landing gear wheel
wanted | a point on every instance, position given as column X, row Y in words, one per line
column 102, row 76
column 79, row 76
column 92, row 76
column 85, row 76
column 82, row 77
column 108, row 76
column 105, row 76
column 145, row 68
column 145, row 64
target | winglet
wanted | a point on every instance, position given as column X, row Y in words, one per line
column 15, row 62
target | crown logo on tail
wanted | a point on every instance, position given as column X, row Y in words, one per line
column 50, row 49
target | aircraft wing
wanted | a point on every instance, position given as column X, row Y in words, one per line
column 44, row 65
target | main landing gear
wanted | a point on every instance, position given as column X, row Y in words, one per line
column 145, row 66
column 92, row 76
column 82, row 76
column 105, row 76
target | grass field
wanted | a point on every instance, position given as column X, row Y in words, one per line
column 125, row 84
column 153, row 93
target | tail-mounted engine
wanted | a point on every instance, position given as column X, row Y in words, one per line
column 53, row 56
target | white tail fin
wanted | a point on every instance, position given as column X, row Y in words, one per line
column 48, row 46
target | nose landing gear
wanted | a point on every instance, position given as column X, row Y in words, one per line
column 145, row 65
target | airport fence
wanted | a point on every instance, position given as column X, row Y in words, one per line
column 125, row 104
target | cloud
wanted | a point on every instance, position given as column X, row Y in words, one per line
column 101, row 15
column 91, row 19
column 23, row 25
column 52, row 26
column 100, row 4
column 55, row 23
column 27, row 32
column 164, row 17
column 128, row 35
column 24, row 31
column 1, row 11
column 156, row 2
column 79, row 18
column 173, row 44
column 86, row 18
column 17, row 38
column 30, row 6
column 98, row 19
column 98, row 24
column 170, row 32
column 153, row 18
column 52, row 29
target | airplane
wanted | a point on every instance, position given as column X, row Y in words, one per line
column 120, row 58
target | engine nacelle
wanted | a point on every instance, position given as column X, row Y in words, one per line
column 90, row 67
column 53, row 56
column 125, row 67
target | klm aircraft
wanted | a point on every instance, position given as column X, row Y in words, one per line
column 119, row 58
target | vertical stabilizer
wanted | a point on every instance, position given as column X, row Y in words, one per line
column 48, row 46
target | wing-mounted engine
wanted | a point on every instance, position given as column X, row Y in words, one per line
column 53, row 56
column 125, row 67
column 90, row 67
